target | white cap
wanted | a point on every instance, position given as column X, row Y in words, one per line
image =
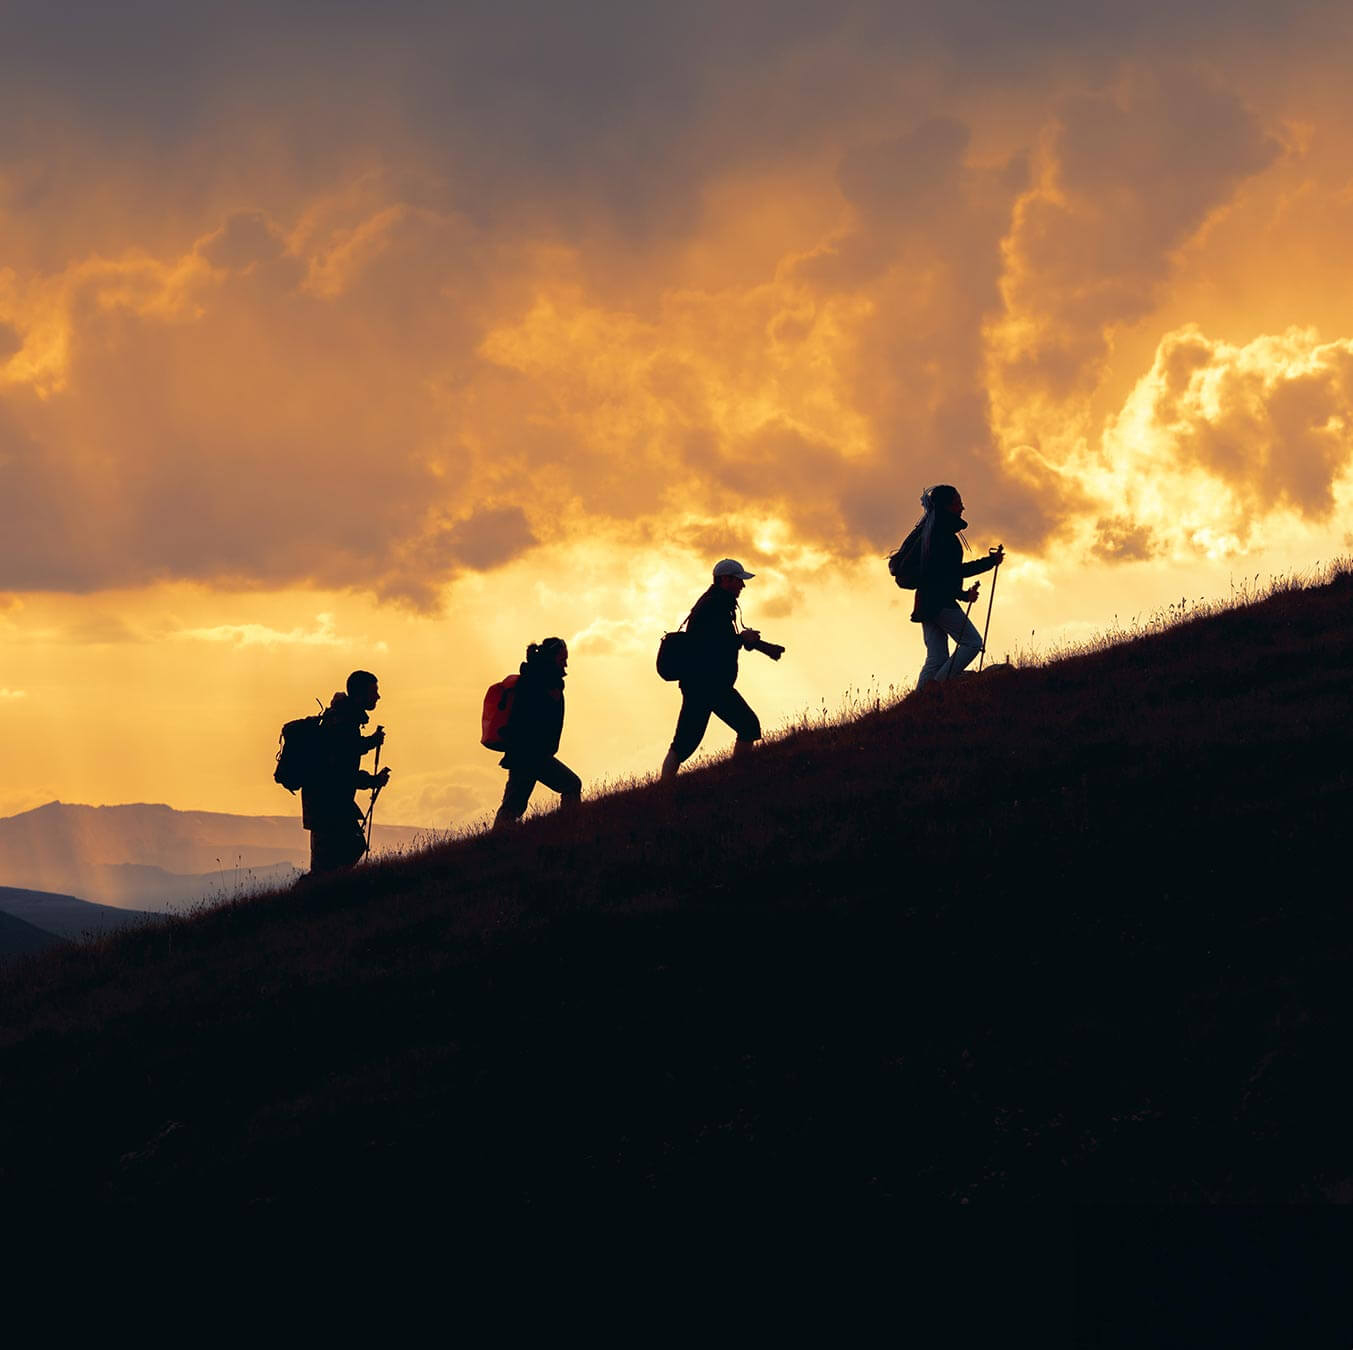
column 730, row 567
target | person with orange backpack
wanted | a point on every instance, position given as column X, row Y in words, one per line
column 526, row 719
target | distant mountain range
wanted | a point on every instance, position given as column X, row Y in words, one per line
column 66, row 915
column 152, row 857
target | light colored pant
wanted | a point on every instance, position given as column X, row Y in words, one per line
column 948, row 623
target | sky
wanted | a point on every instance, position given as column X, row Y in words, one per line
column 395, row 337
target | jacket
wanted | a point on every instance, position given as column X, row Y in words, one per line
column 537, row 723
column 329, row 800
column 713, row 640
column 943, row 569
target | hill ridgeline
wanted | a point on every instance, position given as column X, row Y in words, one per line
column 1070, row 933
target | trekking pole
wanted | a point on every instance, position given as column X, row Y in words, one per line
column 375, row 792
column 991, row 599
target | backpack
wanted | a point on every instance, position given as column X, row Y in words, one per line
column 300, row 753
column 905, row 562
column 498, row 713
column 674, row 652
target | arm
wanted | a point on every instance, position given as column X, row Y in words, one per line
column 980, row 565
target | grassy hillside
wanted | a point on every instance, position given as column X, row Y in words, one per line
column 1077, row 931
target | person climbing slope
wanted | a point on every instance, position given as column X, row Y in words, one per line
column 533, row 733
column 328, row 806
column 940, row 543
column 711, row 668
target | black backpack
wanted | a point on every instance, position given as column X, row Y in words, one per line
column 905, row 562
column 674, row 652
column 299, row 757
column 673, row 655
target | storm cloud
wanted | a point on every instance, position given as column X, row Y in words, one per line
column 370, row 298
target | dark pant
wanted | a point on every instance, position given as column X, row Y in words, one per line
column 335, row 845
column 698, row 701
column 521, row 782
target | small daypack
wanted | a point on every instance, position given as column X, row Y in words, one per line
column 905, row 563
column 300, row 752
column 674, row 652
column 498, row 713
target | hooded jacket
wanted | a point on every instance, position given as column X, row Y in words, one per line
column 943, row 568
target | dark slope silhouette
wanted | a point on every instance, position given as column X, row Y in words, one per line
column 20, row 938
column 1069, row 933
column 67, row 915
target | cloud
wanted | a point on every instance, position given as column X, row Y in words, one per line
column 488, row 538
column 260, row 635
column 404, row 297
column 236, row 424
column 98, row 629
column 607, row 637
column 1127, row 178
column 8, row 694
column 1121, row 539
column 1217, row 437
column 246, row 238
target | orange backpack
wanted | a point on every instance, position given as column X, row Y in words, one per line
column 498, row 712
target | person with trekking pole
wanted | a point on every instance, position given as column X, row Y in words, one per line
column 329, row 807
column 937, row 544
column 534, row 728
column 710, row 668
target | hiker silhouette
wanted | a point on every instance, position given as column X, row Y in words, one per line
column 710, row 668
column 328, row 799
column 940, row 543
column 533, row 731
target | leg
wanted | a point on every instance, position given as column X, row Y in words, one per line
column 936, row 652
column 336, row 846
column 967, row 641
column 690, row 728
column 733, row 710
column 561, row 779
column 516, row 797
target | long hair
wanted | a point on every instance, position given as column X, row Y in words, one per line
column 933, row 501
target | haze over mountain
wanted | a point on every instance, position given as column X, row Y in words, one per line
column 152, row 856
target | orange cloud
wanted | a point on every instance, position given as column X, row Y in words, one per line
column 1217, row 438
column 386, row 359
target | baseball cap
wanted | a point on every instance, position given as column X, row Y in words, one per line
column 730, row 567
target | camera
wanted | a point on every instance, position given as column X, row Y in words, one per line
column 771, row 649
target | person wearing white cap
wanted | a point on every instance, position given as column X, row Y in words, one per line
column 713, row 640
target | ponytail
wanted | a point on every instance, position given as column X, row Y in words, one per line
column 543, row 650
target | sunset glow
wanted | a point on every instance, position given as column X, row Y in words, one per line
column 405, row 343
